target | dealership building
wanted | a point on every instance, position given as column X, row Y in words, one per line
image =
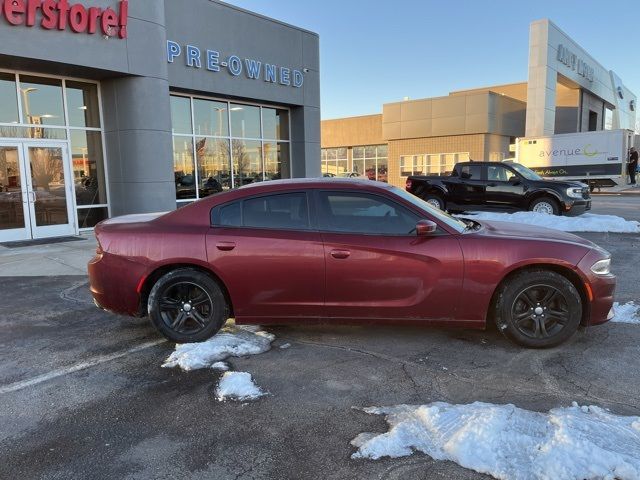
column 109, row 107
column 567, row 91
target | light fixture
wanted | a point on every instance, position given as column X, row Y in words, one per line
column 83, row 107
column 234, row 109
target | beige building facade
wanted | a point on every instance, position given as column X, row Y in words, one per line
column 567, row 92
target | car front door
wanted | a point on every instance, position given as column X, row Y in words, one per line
column 269, row 256
column 376, row 265
column 505, row 188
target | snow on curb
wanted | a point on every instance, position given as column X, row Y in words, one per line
column 511, row 443
column 587, row 222
column 237, row 386
column 627, row 313
column 231, row 341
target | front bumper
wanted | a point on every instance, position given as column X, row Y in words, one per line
column 576, row 207
column 602, row 289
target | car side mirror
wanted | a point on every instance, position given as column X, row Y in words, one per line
column 425, row 227
column 514, row 180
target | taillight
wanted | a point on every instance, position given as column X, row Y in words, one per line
column 408, row 185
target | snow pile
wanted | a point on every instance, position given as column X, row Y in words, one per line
column 627, row 313
column 511, row 443
column 588, row 222
column 220, row 366
column 231, row 341
column 237, row 386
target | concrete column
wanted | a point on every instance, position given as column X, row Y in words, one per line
column 139, row 159
column 541, row 86
column 305, row 142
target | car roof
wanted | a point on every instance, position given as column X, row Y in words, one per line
column 320, row 182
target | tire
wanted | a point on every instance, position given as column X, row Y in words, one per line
column 538, row 309
column 173, row 292
column 434, row 200
column 547, row 205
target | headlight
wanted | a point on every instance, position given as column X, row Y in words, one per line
column 574, row 192
column 602, row 267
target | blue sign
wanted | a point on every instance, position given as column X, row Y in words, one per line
column 236, row 66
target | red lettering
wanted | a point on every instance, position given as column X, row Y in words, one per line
column 124, row 14
column 13, row 11
column 32, row 8
column 78, row 18
column 94, row 14
column 49, row 18
column 60, row 14
column 63, row 10
column 109, row 22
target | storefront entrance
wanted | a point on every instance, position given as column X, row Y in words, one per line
column 36, row 191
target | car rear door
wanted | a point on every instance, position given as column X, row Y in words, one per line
column 502, row 194
column 376, row 266
column 270, row 257
column 467, row 188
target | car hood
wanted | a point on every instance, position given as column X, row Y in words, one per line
column 561, row 184
column 531, row 232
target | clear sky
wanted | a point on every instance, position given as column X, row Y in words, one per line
column 373, row 52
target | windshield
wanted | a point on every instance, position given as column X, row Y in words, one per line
column 453, row 222
column 525, row 172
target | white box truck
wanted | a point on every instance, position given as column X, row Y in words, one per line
column 598, row 159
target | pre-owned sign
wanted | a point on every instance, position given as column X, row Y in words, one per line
column 51, row 15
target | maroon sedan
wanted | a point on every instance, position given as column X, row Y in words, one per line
column 345, row 251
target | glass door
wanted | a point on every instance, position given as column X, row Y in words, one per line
column 14, row 199
column 49, row 190
column 36, row 195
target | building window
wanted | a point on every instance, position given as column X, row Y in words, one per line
column 411, row 165
column 371, row 161
column 47, row 108
column 218, row 145
column 497, row 156
column 431, row 164
column 334, row 162
column 608, row 118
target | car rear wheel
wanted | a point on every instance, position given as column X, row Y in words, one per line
column 538, row 309
column 434, row 200
column 546, row 205
column 187, row 305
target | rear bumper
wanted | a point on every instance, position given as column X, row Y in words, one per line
column 113, row 284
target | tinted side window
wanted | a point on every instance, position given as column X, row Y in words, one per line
column 470, row 171
column 365, row 213
column 227, row 215
column 287, row 211
column 498, row 173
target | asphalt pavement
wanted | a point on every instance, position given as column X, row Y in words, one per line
column 83, row 393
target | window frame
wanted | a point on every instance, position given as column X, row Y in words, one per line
column 214, row 213
column 323, row 225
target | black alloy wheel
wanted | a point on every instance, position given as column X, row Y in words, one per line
column 538, row 308
column 186, row 308
column 540, row 311
column 187, row 305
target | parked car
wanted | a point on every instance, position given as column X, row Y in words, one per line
column 500, row 186
column 345, row 251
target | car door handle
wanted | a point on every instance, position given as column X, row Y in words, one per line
column 491, row 185
column 225, row 246
column 340, row 253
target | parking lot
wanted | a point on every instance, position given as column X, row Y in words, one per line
column 84, row 394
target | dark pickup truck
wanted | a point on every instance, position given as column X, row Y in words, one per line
column 500, row 186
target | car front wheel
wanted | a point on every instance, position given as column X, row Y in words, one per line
column 187, row 305
column 546, row 205
column 538, row 309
